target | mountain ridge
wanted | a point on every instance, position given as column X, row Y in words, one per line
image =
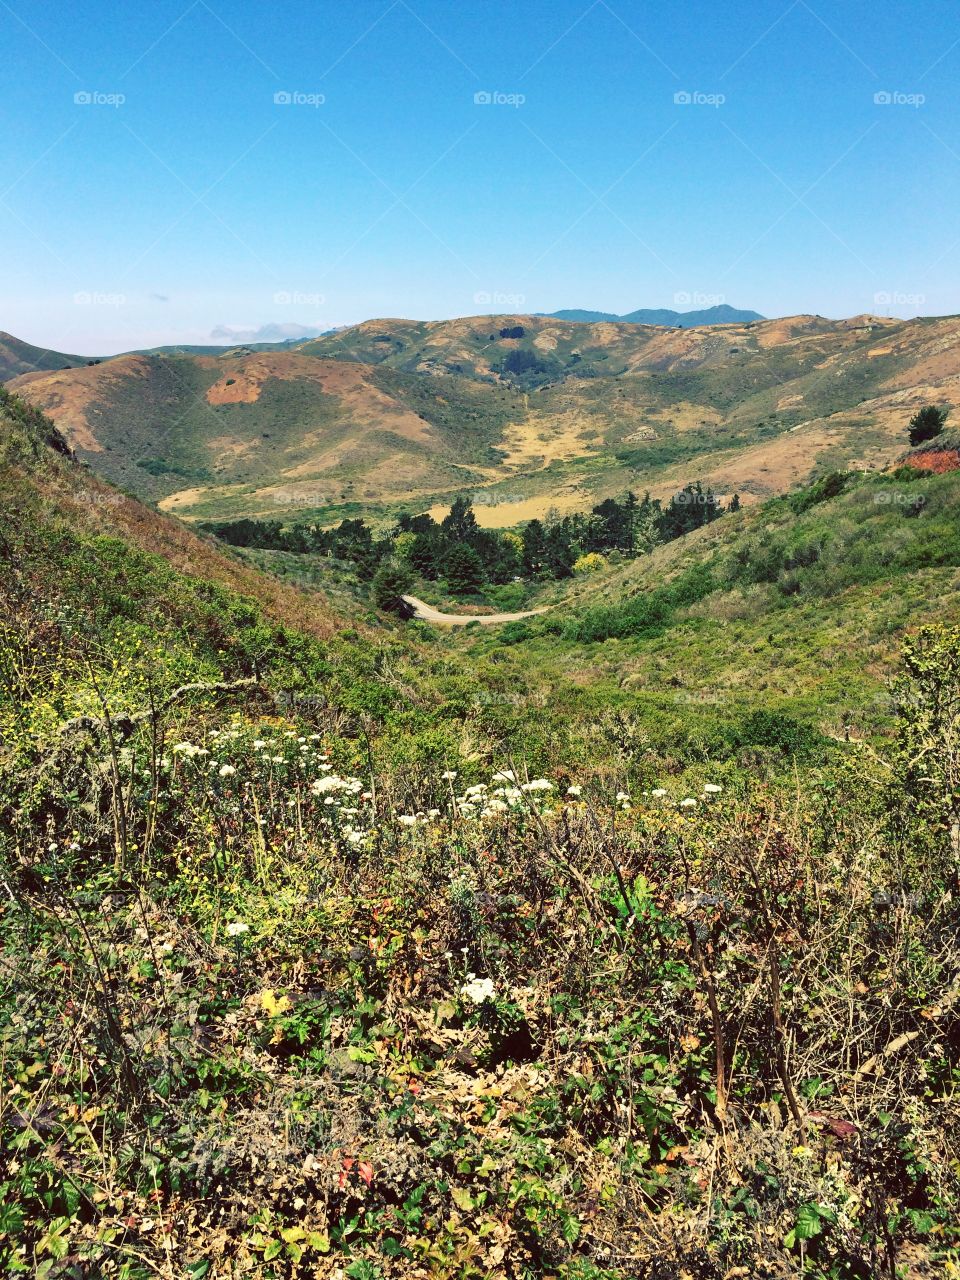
column 720, row 313
column 526, row 413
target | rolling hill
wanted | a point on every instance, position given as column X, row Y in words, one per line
column 527, row 413
column 17, row 356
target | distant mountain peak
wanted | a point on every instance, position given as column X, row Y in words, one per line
column 720, row 314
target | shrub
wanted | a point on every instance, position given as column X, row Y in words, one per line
column 389, row 585
column 592, row 562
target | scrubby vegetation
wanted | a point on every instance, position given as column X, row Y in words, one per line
column 339, row 956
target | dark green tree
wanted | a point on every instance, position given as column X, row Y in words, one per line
column 390, row 582
column 463, row 569
column 461, row 523
column 927, row 423
column 426, row 555
column 534, row 549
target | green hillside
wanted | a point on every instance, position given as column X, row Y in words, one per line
column 17, row 356
column 336, row 946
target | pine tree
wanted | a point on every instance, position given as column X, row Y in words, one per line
column 463, row 570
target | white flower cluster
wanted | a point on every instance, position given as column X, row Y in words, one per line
column 484, row 801
column 304, row 757
column 688, row 802
column 346, row 806
column 477, row 990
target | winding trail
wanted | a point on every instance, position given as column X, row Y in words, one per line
column 427, row 613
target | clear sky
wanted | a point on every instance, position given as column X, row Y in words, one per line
column 175, row 198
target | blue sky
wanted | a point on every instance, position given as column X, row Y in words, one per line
column 183, row 200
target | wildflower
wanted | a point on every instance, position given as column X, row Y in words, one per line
column 407, row 820
column 622, row 797
column 448, row 775
column 278, row 760
column 711, row 788
column 659, row 791
column 227, row 771
column 538, row 784
column 477, row 990
column 574, row 791
column 330, row 783
column 258, row 744
column 236, row 927
column 508, row 793
column 687, row 803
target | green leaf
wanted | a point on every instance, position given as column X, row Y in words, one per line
column 462, row 1198
column 571, row 1229
column 356, row 1054
column 273, row 1250
column 810, row 1221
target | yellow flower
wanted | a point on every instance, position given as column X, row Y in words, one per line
column 271, row 1005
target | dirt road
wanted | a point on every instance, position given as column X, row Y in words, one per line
column 427, row 613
